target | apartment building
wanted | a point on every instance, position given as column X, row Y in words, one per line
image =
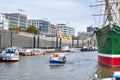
column 3, row 22
column 66, row 31
column 42, row 25
column 17, row 20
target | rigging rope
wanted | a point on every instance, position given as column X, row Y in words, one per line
column 104, row 19
column 99, row 22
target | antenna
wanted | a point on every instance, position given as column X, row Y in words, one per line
column 21, row 10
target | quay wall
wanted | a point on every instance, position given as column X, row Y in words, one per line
column 28, row 40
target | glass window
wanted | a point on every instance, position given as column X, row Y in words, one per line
column 117, row 78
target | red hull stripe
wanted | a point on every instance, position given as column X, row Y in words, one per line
column 10, row 59
column 110, row 61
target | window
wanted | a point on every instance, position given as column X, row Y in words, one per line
column 117, row 78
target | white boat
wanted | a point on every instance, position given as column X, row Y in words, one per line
column 65, row 49
column 30, row 52
column 10, row 54
column 57, row 59
column 116, row 76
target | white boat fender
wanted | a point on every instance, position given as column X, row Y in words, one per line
column 96, row 76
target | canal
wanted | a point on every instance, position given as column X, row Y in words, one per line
column 79, row 66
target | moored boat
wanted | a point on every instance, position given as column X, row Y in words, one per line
column 108, row 37
column 84, row 48
column 65, row 49
column 10, row 54
column 30, row 52
column 57, row 59
column 108, row 45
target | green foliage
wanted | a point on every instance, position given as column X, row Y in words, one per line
column 17, row 29
column 32, row 29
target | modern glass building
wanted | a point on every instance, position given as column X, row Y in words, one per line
column 42, row 25
column 71, row 31
column 52, row 30
column 67, row 31
column 17, row 20
column 3, row 22
column 90, row 29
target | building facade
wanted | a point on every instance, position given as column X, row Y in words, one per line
column 90, row 29
column 71, row 31
column 52, row 30
column 42, row 25
column 17, row 20
column 3, row 22
column 66, row 31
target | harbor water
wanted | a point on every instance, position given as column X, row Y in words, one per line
column 79, row 66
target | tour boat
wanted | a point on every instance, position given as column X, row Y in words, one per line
column 10, row 54
column 30, row 52
column 57, row 59
column 108, row 36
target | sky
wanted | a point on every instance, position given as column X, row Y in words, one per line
column 73, row 13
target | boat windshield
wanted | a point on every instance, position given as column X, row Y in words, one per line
column 117, row 78
column 10, row 51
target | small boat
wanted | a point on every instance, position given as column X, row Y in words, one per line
column 65, row 49
column 89, row 48
column 10, row 54
column 30, row 52
column 57, row 59
column 84, row 48
column 116, row 76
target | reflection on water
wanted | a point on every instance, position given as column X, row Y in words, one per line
column 104, row 71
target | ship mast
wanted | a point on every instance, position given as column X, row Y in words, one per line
column 108, row 8
column 109, row 14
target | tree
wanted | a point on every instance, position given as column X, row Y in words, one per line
column 17, row 29
column 32, row 29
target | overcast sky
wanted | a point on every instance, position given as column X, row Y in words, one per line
column 74, row 13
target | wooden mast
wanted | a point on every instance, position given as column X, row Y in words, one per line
column 109, row 15
column 109, row 5
column 116, row 13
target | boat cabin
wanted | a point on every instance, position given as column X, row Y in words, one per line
column 116, row 76
column 10, row 54
column 10, row 51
